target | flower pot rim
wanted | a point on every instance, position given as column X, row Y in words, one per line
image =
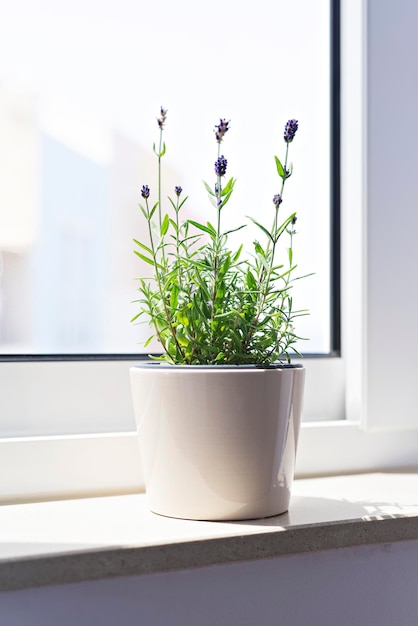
column 249, row 366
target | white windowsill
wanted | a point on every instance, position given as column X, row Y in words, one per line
column 56, row 542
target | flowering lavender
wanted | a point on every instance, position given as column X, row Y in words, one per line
column 207, row 305
column 145, row 191
column 290, row 130
column 277, row 200
column 161, row 120
column 221, row 129
column 220, row 166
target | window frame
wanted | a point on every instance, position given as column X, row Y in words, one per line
column 100, row 463
column 44, row 376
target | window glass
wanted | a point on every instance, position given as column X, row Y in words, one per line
column 81, row 85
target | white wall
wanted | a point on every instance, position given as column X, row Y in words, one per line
column 350, row 587
column 392, row 215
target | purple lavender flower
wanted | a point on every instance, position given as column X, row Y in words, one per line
column 145, row 191
column 294, row 220
column 177, row 190
column 290, row 130
column 220, row 166
column 161, row 120
column 277, row 200
column 221, row 129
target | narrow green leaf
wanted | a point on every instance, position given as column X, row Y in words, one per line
column 251, row 281
column 153, row 210
column 225, row 266
column 183, row 201
column 205, row 229
column 209, row 189
column 173, row 204
column 304, row 275
column 174, row 225
column 211, row 227
column 265, row 231
column 164, row 225
column 259, row 249
column 163, row 357
column 280, row 168
column 144, row 258
column 237, row 254
column 182, row 318
column 174, row 297
column 228, row 187
column 143, row 211
column 232, row 314
column 143, row 246
column 148, row 341
column 225, row 199
column 280, row 230
column 182, row 339
column 190, row 238
column 135, row 317
column 234, row 230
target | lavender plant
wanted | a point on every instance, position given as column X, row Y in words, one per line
column 207, row 304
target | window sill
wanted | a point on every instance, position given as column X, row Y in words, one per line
column 66, row 541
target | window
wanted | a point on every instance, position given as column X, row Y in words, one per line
column 381, row 429
column 77, row 463
column 84, row 124
column 79, row 122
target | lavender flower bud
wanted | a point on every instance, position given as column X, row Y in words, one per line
column 293, row 222
column 220, row 166
column 221, row 129
column 290, row 130
column 277, row 200
column 161, row 120
column 177, row 190
column 145, row 191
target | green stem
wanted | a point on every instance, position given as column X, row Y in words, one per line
column 281, row 193
column 264, row 277
column 159, row 178
column 160, row 289
column 178, row 244
column 276, row 214
column 160, row 217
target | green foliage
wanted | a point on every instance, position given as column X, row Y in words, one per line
column 206, row 305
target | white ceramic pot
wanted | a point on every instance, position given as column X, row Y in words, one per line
column 218, row 442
